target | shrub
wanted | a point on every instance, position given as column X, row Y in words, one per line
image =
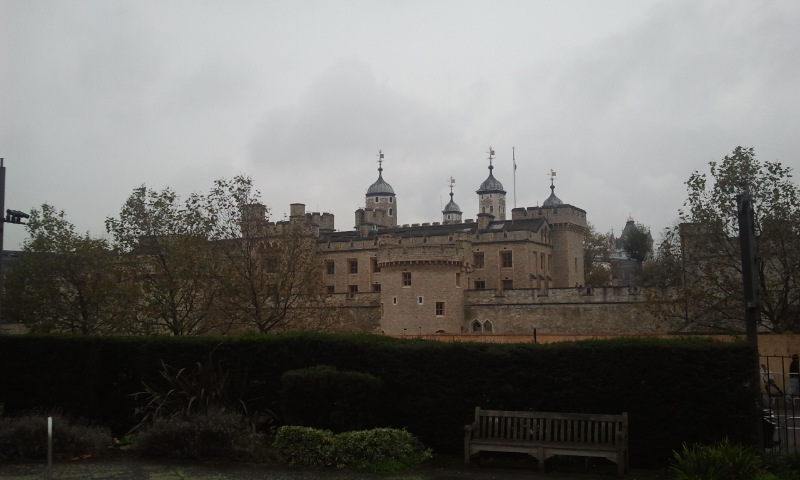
column 383, row 449
column 185, row 392
column 721, row 461
column 215, row 434
column 782, row 466
column 304, row 445
column 326, row 398
column 26, row 437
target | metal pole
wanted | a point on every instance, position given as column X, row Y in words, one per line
column 2, row 223
column 752, row 302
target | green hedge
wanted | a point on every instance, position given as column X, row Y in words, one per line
column 326, row 398
column 379, row 448
column 668, row 387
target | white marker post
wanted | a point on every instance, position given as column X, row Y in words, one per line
column 49, row 475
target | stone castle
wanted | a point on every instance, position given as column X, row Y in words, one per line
column 494, row 274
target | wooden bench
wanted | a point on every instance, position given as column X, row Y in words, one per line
column 545, row 434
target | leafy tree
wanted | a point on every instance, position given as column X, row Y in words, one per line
column 712, row 293
column 65, row 282
column 270, row 276
column 165, row 245
column 597, row 258
column 637, row 242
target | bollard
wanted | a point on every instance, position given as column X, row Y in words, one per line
column 49, row 475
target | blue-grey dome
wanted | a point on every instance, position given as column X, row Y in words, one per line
column 491, row 184
column 552, row 200
column 452, row 207
column 380, row 187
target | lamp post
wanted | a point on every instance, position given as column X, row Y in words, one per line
column 12, row 216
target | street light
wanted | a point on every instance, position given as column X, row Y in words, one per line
column 12, row 216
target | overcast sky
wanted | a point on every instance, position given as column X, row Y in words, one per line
column 622, row 99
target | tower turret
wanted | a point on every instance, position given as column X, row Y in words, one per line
column 380, row 207
column 452, row 212
column 491, row 196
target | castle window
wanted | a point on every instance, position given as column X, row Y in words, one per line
column 491, row 208
column 390, row 199
column 376, row 287
column 406, row 279
column 331, row 289
column 375, row 267
column 458, row 279
column 420, row 300
column 394, row 300
column 487, row 326
column 353, row 265
column 377, row 199
column 477, row 259
column 330, row 267
column 439, row 309
column 480, row 284
column 353, row 288
column 508, row 284
column 476, row 326
column 390, row 212
column 506, row 260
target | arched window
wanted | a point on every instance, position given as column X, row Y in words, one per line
column 390, row 212
column 491, row 208
column 476, row 326
column 487, row 326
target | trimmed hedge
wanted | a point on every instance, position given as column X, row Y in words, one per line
column 431, row 388
column 324, row 397
column 367, row 449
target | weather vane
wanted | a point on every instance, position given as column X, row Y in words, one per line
column 380, row 160
column 491, row 154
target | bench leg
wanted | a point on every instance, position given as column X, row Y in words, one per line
column 540, row 458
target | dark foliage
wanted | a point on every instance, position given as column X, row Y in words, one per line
column 431, row 388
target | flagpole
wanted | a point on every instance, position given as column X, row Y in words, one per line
column 514, row 160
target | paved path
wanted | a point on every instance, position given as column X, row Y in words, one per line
column 440, row 468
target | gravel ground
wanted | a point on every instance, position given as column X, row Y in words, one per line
column 438, row 468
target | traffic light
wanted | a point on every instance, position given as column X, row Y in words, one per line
column 15, row 216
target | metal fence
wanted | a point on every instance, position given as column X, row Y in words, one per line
column 781, row 403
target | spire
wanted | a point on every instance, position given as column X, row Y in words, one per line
column 380, row 186
column 491, row 185
column 552, row 200
column 452, row 207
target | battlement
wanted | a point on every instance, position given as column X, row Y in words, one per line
column 554, row 215
column 421, row 254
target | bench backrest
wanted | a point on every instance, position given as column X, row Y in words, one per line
column 551, row 427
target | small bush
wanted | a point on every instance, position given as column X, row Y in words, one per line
column 379, row 449
column 215, row 434
column 305, row 445
column 720, row 461
column 26, row 437
column 782, row 466
column 329, row 399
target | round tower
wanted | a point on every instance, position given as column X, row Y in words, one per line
column 491, row 196
column 452, row 212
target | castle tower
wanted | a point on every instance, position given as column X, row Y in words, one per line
column 568, row 229
column 380, row 208
column 491, row 196
column 452, row 212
